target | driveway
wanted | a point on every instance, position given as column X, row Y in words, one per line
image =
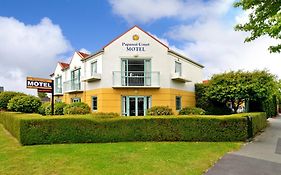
column 262, row 156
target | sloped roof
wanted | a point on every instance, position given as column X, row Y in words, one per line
column 82, row 54
column 64, row 65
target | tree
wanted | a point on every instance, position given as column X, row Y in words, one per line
column 264, row 19
column 236, row 87
column 42, row 95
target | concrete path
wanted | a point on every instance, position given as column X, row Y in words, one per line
column 260, row 157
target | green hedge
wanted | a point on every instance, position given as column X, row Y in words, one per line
column 35, row 129
column 259, row 121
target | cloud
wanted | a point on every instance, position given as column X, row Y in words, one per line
column 28, row 50
column 84, row 50
column 151, row 10
column 205, row 31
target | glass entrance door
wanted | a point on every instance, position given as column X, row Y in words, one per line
column 135, row 105
column 132, row 106
column 140, row 106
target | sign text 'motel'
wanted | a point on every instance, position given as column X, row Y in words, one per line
column 39, row 83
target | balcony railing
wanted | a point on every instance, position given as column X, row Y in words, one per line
column 136, row 79
column 72, row 85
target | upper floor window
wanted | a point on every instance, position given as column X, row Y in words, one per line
column 178, row 68
column 136, row 72
column 58, row 84
column 75, row 75
column 93, row 68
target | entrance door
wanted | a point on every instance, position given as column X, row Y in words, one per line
column 140, row 106
column 135, row 105
column 132, row 106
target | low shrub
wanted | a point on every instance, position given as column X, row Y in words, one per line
column 105, row 114
column 159, row 110
column 26, row 104
column 6, row 96
column 191, row 111
column 58, row 108
column 42, row 108
column 76, row 108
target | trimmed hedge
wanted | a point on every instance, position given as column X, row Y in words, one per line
column 35, row 129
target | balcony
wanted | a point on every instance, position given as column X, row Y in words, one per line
column 91, row 78
column 72, row 86
column 178, row 77
column 136, row 79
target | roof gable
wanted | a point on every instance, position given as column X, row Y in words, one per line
column 139, row 29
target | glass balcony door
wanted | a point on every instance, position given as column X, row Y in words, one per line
column 136, row 72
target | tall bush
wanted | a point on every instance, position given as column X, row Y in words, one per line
column 26, row 104
column 42, row 108
column 211, row 107
column 77, row 108
column 58, row 108
column 192, row 111
column 6, row 96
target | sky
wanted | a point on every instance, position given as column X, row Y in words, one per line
column 36, row 34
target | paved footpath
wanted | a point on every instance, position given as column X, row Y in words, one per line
column 260, row 157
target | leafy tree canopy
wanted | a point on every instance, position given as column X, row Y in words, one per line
column 237, row 86
column 264, row 19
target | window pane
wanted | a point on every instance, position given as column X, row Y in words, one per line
column 94, row 103
column 178, row 68
column 93, row 68
column 178, row 103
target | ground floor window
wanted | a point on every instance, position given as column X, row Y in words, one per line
column 135, row 105
column 94, row 103
column 74, row 100
column 58, row 100
column 178, row 102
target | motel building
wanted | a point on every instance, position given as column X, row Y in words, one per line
column 129, row 75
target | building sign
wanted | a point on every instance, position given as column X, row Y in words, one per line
column 39, row 83
column 135, row 46
column 42, row 85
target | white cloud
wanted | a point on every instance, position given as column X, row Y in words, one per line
column 206, row 33
column 84, row 50
column 150, row 10
column 28, row 50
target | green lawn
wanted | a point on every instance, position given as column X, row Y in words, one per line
column 110, row 158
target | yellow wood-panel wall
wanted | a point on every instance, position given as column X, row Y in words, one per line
column 109, row 99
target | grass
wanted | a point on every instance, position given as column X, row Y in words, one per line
column 151, row 158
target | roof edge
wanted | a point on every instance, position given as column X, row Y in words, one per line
column 179, row 55
column 91, row 55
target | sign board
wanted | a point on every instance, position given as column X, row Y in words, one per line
column 42, row 85
column 44, row 90
column 39, row 83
